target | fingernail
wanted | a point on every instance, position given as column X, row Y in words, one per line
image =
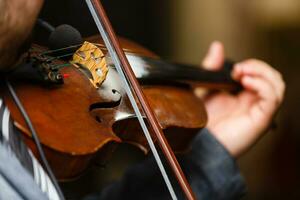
column 214, row 48
column 246, row 79
column 209, row 60
column 207, row 63
column 237, row 67
column 235, row 73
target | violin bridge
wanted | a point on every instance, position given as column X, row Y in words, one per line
column 92, row 61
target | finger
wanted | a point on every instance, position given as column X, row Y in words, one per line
column 215, row 57
column 267, row 99
column 256, row 68
column 259, row 68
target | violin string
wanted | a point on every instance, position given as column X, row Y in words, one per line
column 132, row 98
column 58, row 66
column 58, row 57
column 101, row 46
column 62, row 55
column 69, row 47
column 53, row 58
column 60, row 49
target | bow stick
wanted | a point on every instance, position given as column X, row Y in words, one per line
column 134, row 92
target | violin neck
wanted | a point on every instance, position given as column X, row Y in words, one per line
column 155, row 71
column 220, row 80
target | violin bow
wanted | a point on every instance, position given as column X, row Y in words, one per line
column 135, row 94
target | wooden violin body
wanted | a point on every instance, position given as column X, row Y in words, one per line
column 78, row 123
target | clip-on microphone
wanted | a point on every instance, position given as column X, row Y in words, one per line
column 63, row 40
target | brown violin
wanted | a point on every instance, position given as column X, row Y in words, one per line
column 78, row 122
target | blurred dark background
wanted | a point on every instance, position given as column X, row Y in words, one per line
column 181, row 31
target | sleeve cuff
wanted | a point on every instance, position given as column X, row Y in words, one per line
column 220, row 171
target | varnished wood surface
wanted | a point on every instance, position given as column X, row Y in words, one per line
column 61, row 114
column 180, row 113
column 72, row 134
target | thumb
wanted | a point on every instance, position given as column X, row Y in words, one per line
column 214, row 59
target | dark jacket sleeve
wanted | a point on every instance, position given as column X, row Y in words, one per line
column 211, row 171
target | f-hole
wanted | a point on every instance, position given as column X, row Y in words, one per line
column 108, row 104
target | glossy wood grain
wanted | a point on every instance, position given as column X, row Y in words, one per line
column 73, row 130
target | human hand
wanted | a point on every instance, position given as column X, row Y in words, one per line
column 238, row 121
column 17, row 18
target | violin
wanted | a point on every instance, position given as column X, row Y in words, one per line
column 82, row 112
column 75, row 120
